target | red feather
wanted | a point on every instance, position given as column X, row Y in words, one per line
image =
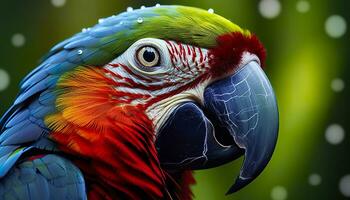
column 110, row 141
column 228, row 53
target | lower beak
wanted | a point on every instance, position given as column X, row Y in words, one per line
column 239, row 116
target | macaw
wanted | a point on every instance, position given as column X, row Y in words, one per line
column 128, row 108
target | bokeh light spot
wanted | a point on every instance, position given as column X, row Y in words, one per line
column 335, row 26
column 337, row 85
column 334, row 134
column 58, row 3
column 344, row 185
column 269, row 8
column 315, row 179
column 18, row 40
column 303, row 6
column 279, row 193
column 4, row 80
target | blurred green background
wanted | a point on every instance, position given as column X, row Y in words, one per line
column 308, row 64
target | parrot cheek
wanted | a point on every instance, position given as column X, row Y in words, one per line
column 239, row 117
column 188, row 141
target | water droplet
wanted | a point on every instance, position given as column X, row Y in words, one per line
column 129, row 9
column 139, row 20
column 142, row 7
column 84, row 30
column 121, row 23
column 80, row 51
column 101, row 20
column 210, row 10
column 157, row 5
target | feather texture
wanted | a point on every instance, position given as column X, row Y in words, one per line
column 122, row 136
column 43, row 177
column 68, row 104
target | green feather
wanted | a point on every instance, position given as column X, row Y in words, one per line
column 187, row 25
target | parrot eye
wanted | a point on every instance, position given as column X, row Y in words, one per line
column 148, row 56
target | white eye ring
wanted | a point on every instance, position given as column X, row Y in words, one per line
column 148, row 57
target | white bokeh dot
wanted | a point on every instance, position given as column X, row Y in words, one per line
column 315, row 179
column 344, row 185
column 58, row 3
column 279, row 193
column 4, row 80
column 334, row 134
column 18, row 40
column 337, row 85
column 303, row 6
column 335, row 26
column 269, row 8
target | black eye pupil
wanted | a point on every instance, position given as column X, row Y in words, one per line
column 149, row 56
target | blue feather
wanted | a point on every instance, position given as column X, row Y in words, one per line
column 12, row 130
column 29, row 133
column 35, row 78
column 58, row 58
column 18, row 118
column 38, row 87
column 4, row 150
column 47, row 98
column 60, row 68
column 50, row 177
column 36, row 70
column 75, row 55
column 88, row 41
column 105, row 31
column 42, row 111
column 60, row 45
column 11, row 160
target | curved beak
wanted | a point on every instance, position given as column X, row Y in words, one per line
column 239, row 116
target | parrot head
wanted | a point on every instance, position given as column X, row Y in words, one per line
column 151, row 93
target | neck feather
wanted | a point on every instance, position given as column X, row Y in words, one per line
column 112, row 143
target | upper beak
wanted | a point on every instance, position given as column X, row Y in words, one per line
column 239, row 116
